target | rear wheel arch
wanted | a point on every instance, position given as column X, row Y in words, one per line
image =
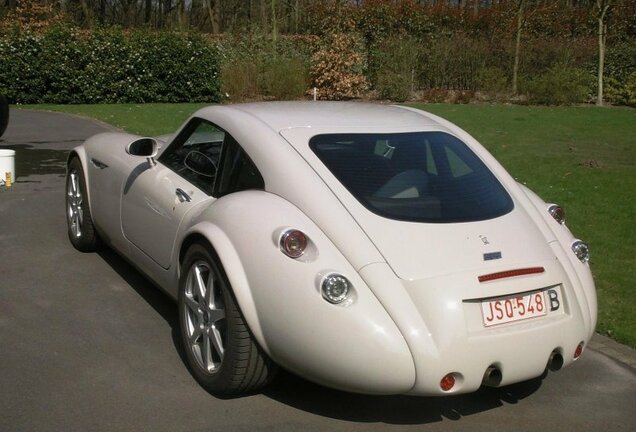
column 221, row 351
column 220, row 246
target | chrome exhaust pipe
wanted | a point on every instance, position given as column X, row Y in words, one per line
column 492, row 377
column 555, row 362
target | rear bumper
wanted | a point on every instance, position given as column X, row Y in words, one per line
column 445, row 332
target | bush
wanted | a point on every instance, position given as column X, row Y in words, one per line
column 64, row 65
column 240, row 80
column 396, row 62
column 559, row 85
column 284, row 78
column 492, row 80
column 254, row 67
column 617, row 92
column 337, row 68
column 453, row 62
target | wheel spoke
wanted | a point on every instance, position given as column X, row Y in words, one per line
column 209, row 292
column 217, row 342
column 216, row 315
column 196, row 333
column 200, row 285
column 74, row 184
column 192, row 304
column 207, row 353
column 75, row 226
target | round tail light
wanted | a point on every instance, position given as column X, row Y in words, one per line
column 557, row 212
column 293, row 243
column 581, row 250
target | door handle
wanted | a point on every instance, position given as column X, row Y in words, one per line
column 182, row 195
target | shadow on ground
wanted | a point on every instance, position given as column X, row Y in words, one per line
column 298, row 393
column 157, row 299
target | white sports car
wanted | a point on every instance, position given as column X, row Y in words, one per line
column 374, row 249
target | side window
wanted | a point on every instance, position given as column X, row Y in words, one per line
column 238, row 172
column 457, row 166
column 195, row 154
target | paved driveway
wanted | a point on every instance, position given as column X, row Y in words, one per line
column 87, row 344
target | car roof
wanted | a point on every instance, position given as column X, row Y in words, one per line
column 319, row 114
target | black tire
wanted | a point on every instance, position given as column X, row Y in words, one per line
column 81, row 230
column 4, row 114
column 243, row 367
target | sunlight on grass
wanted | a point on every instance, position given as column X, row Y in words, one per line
column 144, row 119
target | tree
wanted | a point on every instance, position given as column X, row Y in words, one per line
column 601, row 6
column 521, row 4
column 214, row 12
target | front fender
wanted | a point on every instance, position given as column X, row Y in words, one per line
column 80, row 153
column 354, row 346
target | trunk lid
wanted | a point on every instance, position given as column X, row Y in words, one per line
column 416, row 250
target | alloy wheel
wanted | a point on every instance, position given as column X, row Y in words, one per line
column 204, row 313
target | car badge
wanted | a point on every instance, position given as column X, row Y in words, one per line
column 492, row 256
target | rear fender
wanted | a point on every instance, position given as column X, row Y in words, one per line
column 579, row 272
column 233, row 267
column 349, row 346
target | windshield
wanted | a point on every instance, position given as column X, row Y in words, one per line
column 420, row 176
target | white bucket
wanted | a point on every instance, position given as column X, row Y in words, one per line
column 7, row 167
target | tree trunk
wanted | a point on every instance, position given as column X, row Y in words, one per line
column 148, row 12
column 86, row 11
column 214, row 12
column 602, row 7
column 515, row 68
column 181, row 14
column 263, row 15
column 274, row 22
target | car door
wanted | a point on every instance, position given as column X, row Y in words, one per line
column 157, row 196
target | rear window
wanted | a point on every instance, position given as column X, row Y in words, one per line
column 420, row 176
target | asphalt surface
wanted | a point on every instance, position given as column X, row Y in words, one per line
column 87, row 344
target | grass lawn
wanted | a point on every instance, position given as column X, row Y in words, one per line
column 145, row 119
column 583, row 158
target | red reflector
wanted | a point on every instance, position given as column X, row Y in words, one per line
column 447, row 382
column 578, row 351
column 510, row 273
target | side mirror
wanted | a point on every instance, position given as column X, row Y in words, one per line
column 145, row 147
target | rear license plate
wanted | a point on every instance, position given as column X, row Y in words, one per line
column 509, row 309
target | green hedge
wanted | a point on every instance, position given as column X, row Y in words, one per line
column 64, row 65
